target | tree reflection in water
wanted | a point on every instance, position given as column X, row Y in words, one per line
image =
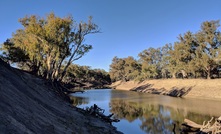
column 76, row 101
column 145, row 113
column 154, row 118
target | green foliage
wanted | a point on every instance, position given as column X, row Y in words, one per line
column 12, row 53
column 193, row 55
column 117, row 69
column 76, row 73
column 131, row 68
column 124, row 69
column 182, row 55
column 45, row 43
column 208, row 53
column 150, row 60
column 165, row 61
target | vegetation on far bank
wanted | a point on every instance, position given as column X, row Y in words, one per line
column 194, row 55
column 85, row 77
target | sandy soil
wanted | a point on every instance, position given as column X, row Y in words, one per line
column 28, row 105
column 197, row 88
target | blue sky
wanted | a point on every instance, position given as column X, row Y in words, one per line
column 128, row 26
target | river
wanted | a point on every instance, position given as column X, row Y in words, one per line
column 142, row 113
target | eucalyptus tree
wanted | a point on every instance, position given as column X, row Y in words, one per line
column 165, row 60
column 208, row 53
column 53, row 42
column 183, row 54
column 117, row 69
column 176, row 60
column 132, row 68
column 43, row 41
column 76, row 43
column 150, row 60
column 13, row 54
column 124, row 69
column 85, row 74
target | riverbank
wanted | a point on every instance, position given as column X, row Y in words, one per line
column 194, row 88
column 29, row 105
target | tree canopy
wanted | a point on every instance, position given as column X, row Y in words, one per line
column 48, row 46
column 194, row 55
column 124, row 69
column 84, row 74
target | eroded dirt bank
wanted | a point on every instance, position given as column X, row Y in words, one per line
column 195, row 88
column 28, row 105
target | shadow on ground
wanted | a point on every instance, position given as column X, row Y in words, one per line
column 174, row 91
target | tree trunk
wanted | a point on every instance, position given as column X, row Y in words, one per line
column 64, row 71
column 48, row 63
column 208, row 73
column 69, row 61
column 174, row 76
column 56, row 72
column 184, row 74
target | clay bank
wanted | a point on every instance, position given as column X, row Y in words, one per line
column 193, row 88
column 28, row 105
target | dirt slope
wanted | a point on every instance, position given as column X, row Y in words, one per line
column 197, row 88
column 27, row 105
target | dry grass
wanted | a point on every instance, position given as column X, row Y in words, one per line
column 200, row 88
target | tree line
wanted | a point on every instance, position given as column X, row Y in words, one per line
column 48, row 46
column 85, row 74
column 193, row 55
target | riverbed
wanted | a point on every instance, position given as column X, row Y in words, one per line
column 148, row 113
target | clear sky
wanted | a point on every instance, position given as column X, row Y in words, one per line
column 128, row 26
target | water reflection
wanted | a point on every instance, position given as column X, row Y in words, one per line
column 153, row 118
column 145, row 113
column 76, row 101
column 124, row 110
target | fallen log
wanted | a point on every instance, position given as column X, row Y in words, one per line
column 192, row 124
column 98, row 112
column 212, row 127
